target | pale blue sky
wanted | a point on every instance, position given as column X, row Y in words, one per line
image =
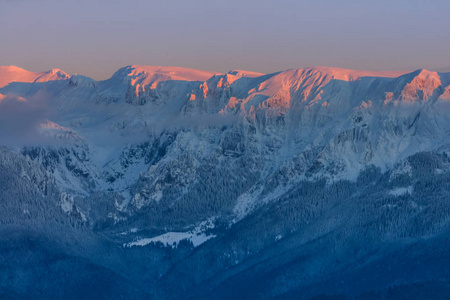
column 96, row 37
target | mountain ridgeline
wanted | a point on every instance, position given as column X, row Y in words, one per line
column 172, row 183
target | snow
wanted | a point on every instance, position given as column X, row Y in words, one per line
column 401, row 191
column 171, row 239
column 248, row 202
column 9, row 74
column 66, row 202
column 152, row 75
column 148, row 136
column 355, row 118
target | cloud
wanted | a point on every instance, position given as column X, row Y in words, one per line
column 20, row 120
column 138, row 133
column 22, row 123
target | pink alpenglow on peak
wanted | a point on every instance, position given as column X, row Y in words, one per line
column 145, row 75
column 309, row 86
column 10, row 74
column 422, row 85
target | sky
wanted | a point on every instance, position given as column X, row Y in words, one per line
column 96, row 37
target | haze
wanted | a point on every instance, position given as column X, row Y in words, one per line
column 95, row 38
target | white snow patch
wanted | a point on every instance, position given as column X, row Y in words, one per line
column 66, row 202
column 402, row 191
column 244, row 205
column 172, row 239
column 248, row 202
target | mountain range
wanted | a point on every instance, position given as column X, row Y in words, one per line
column 174, row 183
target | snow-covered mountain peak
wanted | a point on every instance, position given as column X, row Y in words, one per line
column 346, row 74
column 316, row 77
column 10, row 74
column 153, row 74
column 137, row 84
column 421, row 85
column 51, row 75
column 11, row 68
column 422, row 75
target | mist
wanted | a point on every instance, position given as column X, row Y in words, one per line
column 21, row 119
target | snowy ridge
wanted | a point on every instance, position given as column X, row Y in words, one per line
column 145, row 75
